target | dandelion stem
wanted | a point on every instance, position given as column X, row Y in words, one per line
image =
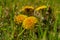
column 21, row 33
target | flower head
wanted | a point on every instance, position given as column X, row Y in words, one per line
column 41, row 7
column 27, row 8
column 19, row 18
column 29, row 22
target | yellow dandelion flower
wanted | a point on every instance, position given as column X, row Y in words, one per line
column 27, row 8
column 41, row 7
column 19, row 18
column 29, row 22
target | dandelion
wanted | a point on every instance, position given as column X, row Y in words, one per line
column 29, row 22
column 27, row 8
column 41, row 7
column 19, row 18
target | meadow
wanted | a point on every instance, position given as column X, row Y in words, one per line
column 44, row 23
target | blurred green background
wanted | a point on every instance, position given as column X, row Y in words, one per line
column 9, row 7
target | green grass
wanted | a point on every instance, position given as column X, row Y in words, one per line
column 9, row 30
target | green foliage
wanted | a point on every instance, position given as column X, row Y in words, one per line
column 10, row 31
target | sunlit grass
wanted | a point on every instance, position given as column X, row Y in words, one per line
column 10, row 31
